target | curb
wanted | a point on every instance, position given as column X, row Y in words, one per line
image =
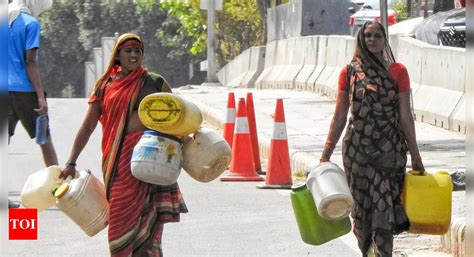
column 300, row 161
column 453, row 241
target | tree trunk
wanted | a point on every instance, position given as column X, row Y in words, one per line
column 409, row 8
column 262, row 8
column 425, row 9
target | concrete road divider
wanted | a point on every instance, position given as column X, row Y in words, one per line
column 410, row 53
column 224, row 75
column 280, row 59
column 442, row 85
column 331, row 64
column 345, row 47
column 239, row 68
column 457, row 121
column 257, row 63
column 231, row 75
column 270, row 62
column 294, row 63
column 320, row 65
column 310, row 46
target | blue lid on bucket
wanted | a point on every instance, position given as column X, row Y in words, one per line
column 150, row 132
column 161, row 134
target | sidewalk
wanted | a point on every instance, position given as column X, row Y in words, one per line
column 308, row 117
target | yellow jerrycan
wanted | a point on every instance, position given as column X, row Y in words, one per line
column 427, row 201
column 170, row 114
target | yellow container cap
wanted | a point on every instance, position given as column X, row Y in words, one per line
column 160, row 110
column 61, row 190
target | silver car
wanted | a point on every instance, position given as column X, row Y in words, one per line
column 369, row 11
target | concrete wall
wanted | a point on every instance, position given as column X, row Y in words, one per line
column 308, row 17
column 98, row 60
column 238, row 69
column 320, row 64
column 410, row 52
column 107, row 47
column 314, row 64
column 310, row 53
column 257, row 64
column 90, row 78
column 270, row 62
column 331, row 65
column 295, row 56
column 442, row 85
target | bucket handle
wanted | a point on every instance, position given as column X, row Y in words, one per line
column 417, row 173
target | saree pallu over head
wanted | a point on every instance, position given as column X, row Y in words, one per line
column 122, row 95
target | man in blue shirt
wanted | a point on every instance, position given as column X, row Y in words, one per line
column 27, row 98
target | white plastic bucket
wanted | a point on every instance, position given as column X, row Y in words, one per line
column 37, row 192
column 157, row 158
column 83, row 200
column 206, row 155
column 328, row 185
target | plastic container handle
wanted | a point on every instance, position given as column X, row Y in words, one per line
column 417, row 173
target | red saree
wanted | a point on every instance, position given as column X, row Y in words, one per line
column 138, row 210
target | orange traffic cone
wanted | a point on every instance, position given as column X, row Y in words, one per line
column 278, row 168
column 253, row 133
column 230, row 119
column 242, row 167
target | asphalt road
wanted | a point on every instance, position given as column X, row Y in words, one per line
column 225, row 219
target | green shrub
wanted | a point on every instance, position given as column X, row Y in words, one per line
column 401, row 10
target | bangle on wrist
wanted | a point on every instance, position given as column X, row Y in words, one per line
column 329, row 148
column 73, row 164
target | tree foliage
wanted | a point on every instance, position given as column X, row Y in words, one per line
column 189, row 22
column 237, row 27
column 61, row 54
column 174, row 33
column 72, row 28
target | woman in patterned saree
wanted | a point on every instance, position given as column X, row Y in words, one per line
column 380, row 132
column 138, row 210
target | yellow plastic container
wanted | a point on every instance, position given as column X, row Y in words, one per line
column 170, row 114
column 427, row 201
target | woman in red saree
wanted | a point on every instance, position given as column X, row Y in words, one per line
column 138, row 209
